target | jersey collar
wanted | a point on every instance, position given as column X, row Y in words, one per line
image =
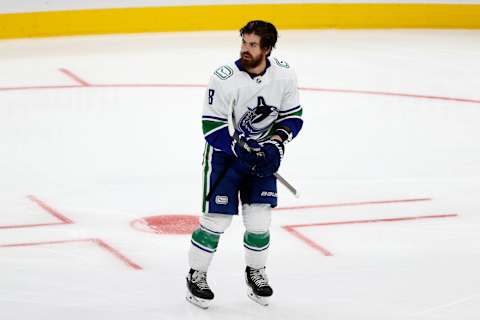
column 253, row 76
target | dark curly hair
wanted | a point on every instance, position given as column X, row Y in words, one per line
column 265, row 30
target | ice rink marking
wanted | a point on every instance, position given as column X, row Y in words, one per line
column 64, row 221
column 55, row 213
column 74, row 77
column 102, row 244
column 293, row 228
column 84, row 84
column 349, row 204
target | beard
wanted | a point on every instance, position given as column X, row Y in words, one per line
column 250, row 62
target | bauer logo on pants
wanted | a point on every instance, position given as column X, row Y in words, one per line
column 269, row 194
column 221, row 200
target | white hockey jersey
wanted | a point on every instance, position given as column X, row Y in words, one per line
column 257, row 103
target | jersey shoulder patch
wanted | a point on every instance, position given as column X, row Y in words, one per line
column 281, row 63
column 224, row 72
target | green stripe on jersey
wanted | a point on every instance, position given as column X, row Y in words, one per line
column 206, row 240
column 256, row 240
column 209, row 125
column 295, row 114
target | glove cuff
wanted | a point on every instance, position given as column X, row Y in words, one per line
column 279, row 145
column 284, row 133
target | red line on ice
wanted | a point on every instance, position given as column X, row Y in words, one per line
column 395, row 94
column 84, row 84
column 372, row 220
column 50, row 210
column 74, row 77
column 350, row 204
column 292, row 229
column 18, row 226
column 117, row 254
column 308, row 241
column 55, row 213
column 102, row 244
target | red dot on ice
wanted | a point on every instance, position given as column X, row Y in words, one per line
column 167, row 224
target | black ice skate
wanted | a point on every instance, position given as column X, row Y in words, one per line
column 257, row 285
column 199, row 292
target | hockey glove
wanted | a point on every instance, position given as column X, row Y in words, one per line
column 273, row 151
column 248, row 151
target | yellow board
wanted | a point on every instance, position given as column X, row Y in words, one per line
column 232, row 17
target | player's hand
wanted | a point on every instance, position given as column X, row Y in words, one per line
column 273, row 151
column 247, row 151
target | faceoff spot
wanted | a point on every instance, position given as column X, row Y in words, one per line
column 167, row 224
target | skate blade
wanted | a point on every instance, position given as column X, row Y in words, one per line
column 201, row 303
column 264, row 301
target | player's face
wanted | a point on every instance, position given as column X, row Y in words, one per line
column 251, row 54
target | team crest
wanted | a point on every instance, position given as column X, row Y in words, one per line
column 258, row 119
column 224, row 72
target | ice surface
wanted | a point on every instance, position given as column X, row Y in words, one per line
column 106, row 130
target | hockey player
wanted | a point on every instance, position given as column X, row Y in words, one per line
column 257, row 95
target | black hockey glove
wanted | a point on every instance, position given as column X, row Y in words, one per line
column 273, row 151
column 248, row 151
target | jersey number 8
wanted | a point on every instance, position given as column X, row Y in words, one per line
column 211, row 92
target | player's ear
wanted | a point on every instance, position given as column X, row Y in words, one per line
column 268, row 50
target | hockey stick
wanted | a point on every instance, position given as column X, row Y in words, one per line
column 234, row 135
column 217, row 182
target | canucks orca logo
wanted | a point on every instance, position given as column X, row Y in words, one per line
column 258, row 119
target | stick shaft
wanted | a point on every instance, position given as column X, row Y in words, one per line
column 286, row 184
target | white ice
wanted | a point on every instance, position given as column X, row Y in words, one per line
column 105, row 155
